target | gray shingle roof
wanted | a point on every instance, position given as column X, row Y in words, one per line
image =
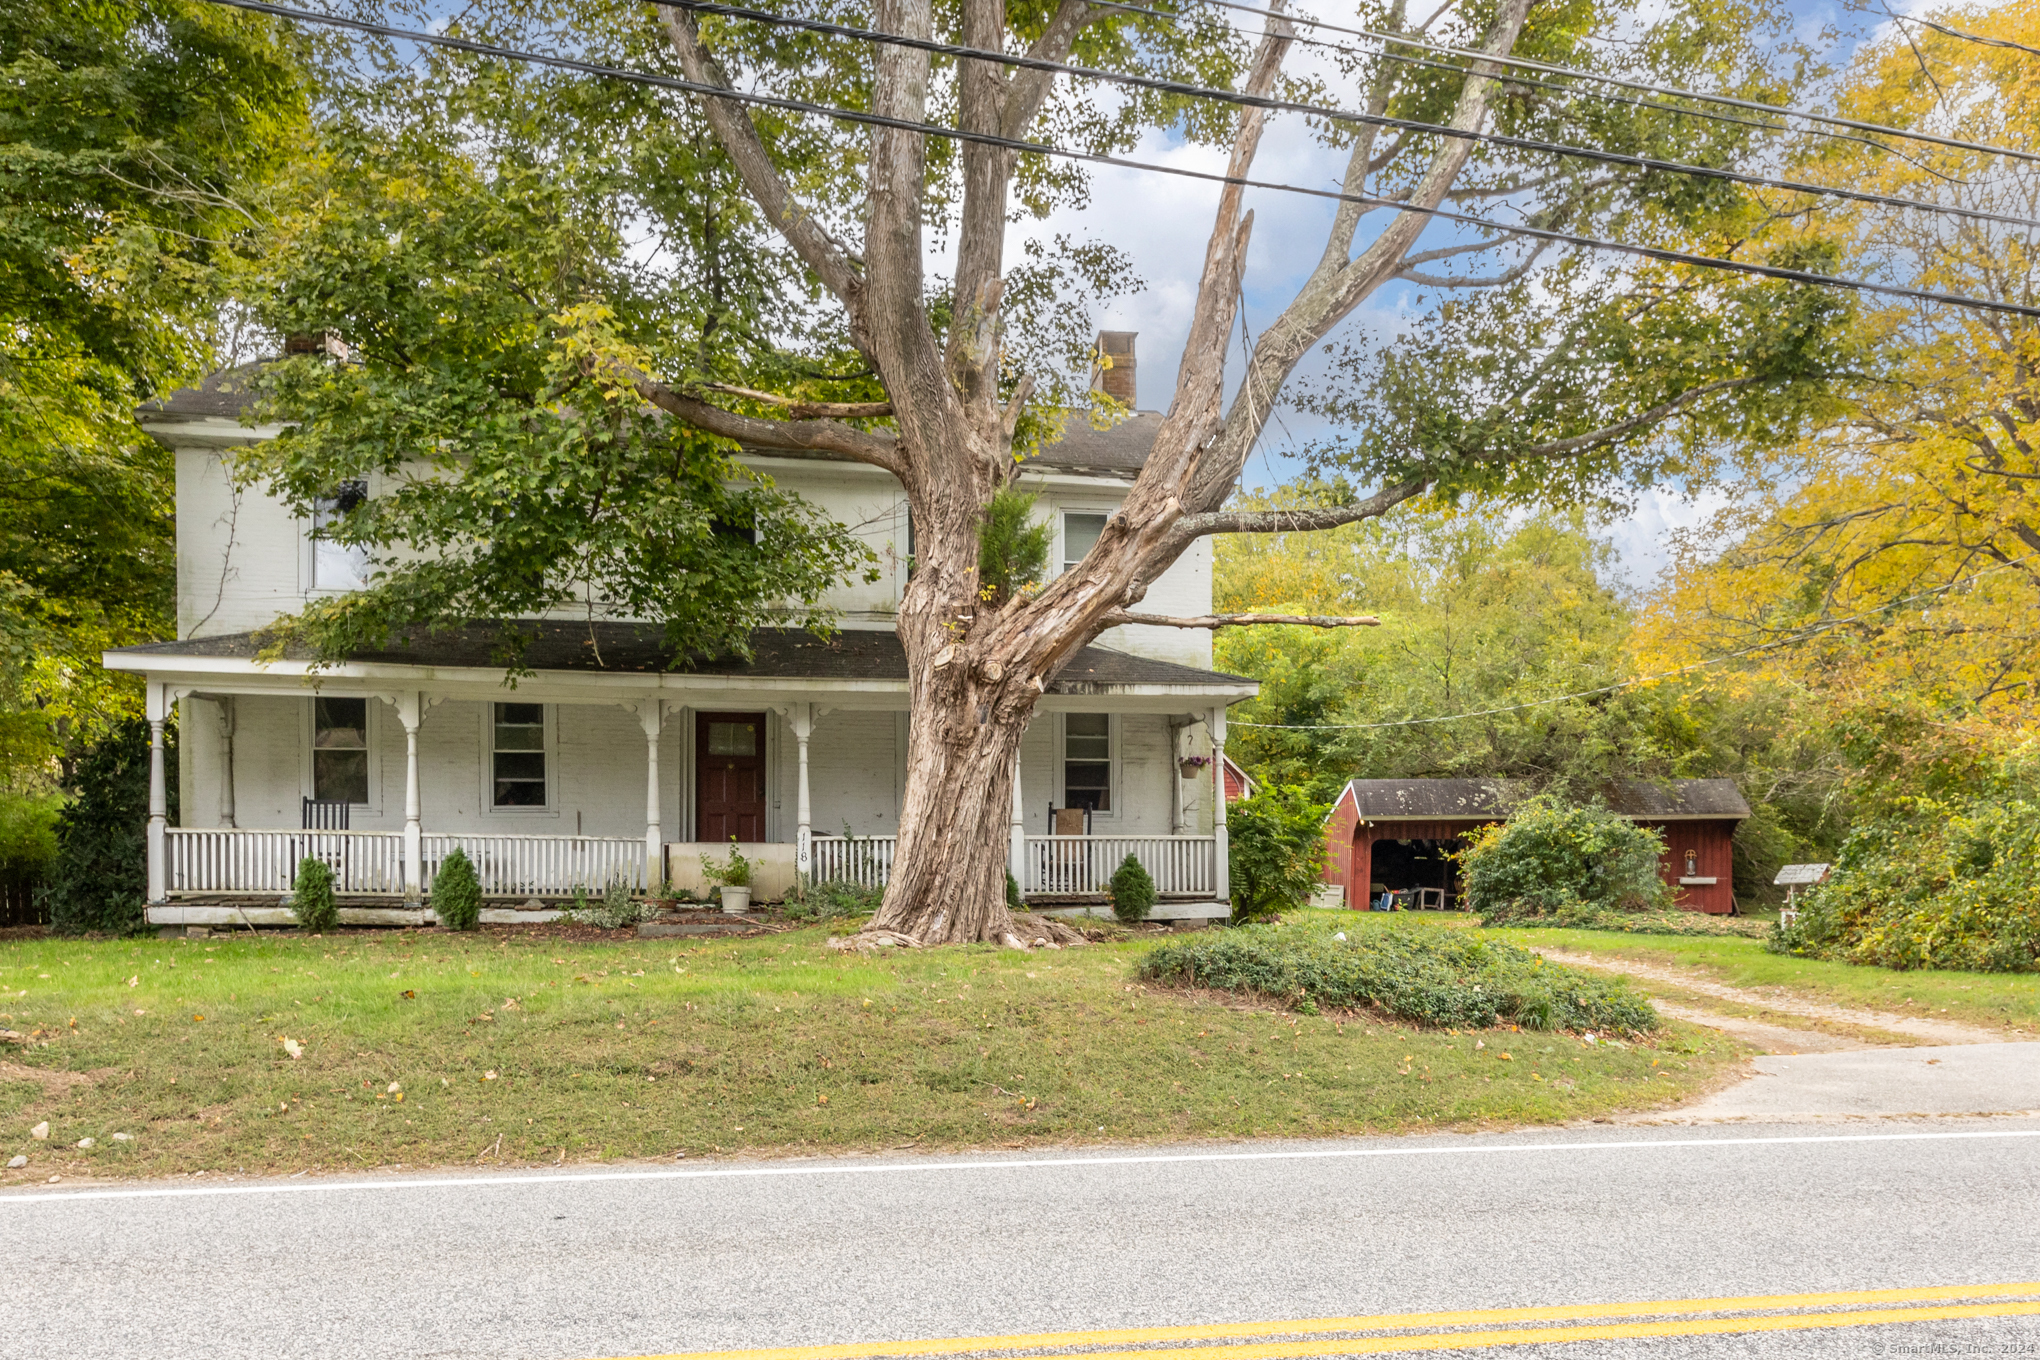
column 1486, row 800
column 777, row 653
column 1119, row 451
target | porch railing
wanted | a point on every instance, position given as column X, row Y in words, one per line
column 543, row 866
column 855, row 859
column 228, row 860
column 1081, row 866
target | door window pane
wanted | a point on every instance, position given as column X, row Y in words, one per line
column 518, row 755
column 1080, row 535
column 1087, row 761
column 732, row 739
column 340, row 750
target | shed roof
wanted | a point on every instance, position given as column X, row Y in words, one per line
column 623, row 648
column 1487, row 800
column 1116, row 452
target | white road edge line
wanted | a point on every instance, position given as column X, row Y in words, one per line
column 1006, row 1164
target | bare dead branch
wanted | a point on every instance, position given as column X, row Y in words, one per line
column 1295, row 521
column 1242, row 620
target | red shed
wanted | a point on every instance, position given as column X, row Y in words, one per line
column 1391, row 834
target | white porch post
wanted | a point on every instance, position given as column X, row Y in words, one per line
column 225, row 704
column 1016, row 852
column 652, row 716
column 158, row 705
column 801, row 718
column 1221, row 847
column 410, row 707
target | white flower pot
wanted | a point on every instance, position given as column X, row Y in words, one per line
column 736, row 901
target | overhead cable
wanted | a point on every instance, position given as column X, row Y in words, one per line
column 1526, row 63
column 960, row 52
column 1977, row 38
column 869, row 119
column 1796, row 635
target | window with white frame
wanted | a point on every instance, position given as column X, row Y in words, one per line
column 1081, row 530
column 337, row 566
column 340, row 750
column 517, row 756
column 1087, row 761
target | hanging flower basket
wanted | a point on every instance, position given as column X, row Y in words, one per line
column 1193, row 766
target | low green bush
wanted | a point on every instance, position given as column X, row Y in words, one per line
column 99, row 879
column 830, row 899
column 1940, row 885
column 1552, row 857
column 311, row 896
column 615, row 910
column 1437, row 978
column 1672, row 922
column 457, row 892
column 1277, row 851
column 1132, row 890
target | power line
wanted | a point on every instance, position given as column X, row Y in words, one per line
column 1525, row 63
column 1797, row 635
column 960, row 52
column 1977, row 38
column 868, row 119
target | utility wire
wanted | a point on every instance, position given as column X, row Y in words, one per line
column 1977, row 38
column 1525, row 63
column 868, row 119
column 959, row 52
column 1797, row 635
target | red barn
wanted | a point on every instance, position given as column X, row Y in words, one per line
column 1395, row 834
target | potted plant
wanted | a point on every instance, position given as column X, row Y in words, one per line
column 1192, row 767
column 733, row 877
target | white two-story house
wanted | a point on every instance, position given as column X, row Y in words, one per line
column 608, row 763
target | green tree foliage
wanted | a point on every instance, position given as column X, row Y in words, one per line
column 475, row 244
column 1132, row 890
column 1012, row 548
column 1551, row 857
column 99, row 880
column 130, row 133
column 311, row 896
column 457, row 892
column 1277, row 840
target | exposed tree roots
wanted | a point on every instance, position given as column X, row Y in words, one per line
column 1028, row 932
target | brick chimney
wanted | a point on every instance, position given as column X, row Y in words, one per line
column 1112, row 366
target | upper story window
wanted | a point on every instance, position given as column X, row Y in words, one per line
column 1087, row 761
column 1081, row 530
column 340, row 750
column 338, row 566
column 517, row 756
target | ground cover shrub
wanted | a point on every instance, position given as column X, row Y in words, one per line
column 100, row 877
column 832, row 898
column 1277, row 840
column 1132, row 890
column 1552, row 857
column 1435, row 978
column 1939, row 885
column 457, row 892
column 613, row 911
column 311, row 896
column 1673, row 922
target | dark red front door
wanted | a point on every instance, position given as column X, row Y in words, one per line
column 729, row 776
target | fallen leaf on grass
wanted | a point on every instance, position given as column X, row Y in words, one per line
column 41, row 1130
column 294, row 1048
column 408, row 994
column 135, row 981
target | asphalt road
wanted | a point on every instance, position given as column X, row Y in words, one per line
column 770, row 1254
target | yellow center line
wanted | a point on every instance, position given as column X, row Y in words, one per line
column 1135, row 1336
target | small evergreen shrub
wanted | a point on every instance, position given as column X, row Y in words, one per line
column 457, row 892
column 1012, row 551
column 1014, row 901
column 1132, row 890
column 311, row 896
column 100, row 877
column 1552, row 857
column 1938, row 885
column 1277, row 840
column 1427, row 976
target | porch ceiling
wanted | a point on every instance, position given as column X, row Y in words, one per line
column 609, row 661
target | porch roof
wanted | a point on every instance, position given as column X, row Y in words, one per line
column 619, row 652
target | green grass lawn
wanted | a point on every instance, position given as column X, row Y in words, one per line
column 2000, row 999
column 428, row 1048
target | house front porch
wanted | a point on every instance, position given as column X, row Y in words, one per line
column 578, row 777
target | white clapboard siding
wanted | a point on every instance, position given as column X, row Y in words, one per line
column 543, row 866
column 229, row 860
column 865, row 860
column 1181, row 866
